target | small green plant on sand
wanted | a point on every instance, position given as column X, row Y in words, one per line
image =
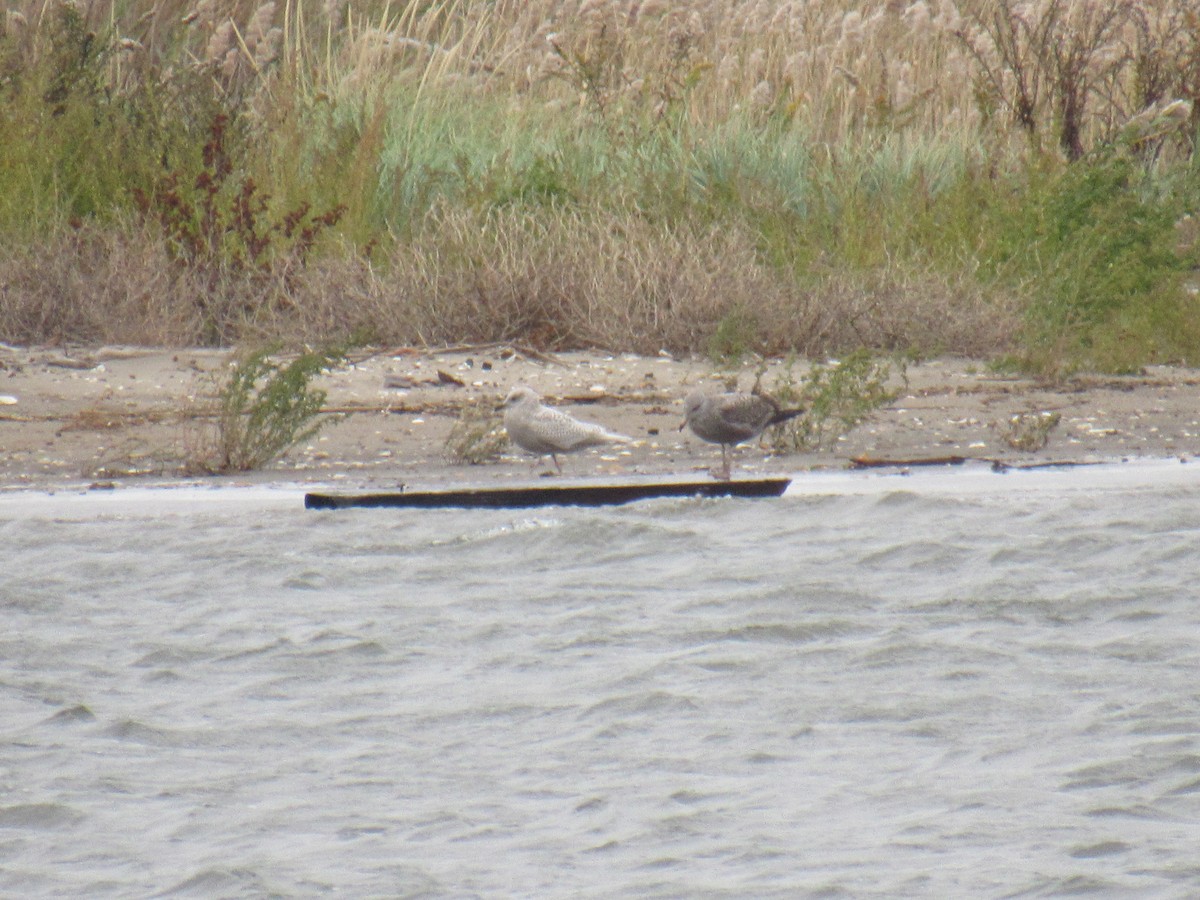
column 264, row 409
column 477, row 437
column 836, row 396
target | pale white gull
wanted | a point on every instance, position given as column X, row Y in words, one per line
column 730, row 418
column 542, row 430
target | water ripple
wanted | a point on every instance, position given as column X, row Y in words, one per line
column 899, row 693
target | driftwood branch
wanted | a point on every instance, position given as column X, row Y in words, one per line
column 999, row 465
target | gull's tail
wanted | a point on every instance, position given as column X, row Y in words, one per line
column 783, row 415
column 603, row 436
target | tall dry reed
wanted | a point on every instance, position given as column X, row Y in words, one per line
column 1073, row 71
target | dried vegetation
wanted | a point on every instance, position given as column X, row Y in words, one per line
column 983, row 177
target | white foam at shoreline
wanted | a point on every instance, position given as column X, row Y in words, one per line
column 161, row 499
column 980, row 478
column 968, row 479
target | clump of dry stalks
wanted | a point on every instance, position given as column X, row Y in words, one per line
column 477, row 436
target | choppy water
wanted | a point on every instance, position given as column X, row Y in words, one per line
column 977, row 686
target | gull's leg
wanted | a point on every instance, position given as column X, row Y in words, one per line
column 722, row 474
column 537, row 463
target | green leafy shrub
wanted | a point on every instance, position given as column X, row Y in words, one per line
column 264, row 409
column 836, row 397
column 1095, row 247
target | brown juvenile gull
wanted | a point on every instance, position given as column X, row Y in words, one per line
column 731, row 418
column 538, row 428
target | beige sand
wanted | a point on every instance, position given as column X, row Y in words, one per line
column 108, row 416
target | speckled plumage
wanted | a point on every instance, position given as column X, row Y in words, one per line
column 730, row 418
column 540, row 429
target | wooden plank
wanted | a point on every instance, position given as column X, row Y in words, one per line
column 528, row 497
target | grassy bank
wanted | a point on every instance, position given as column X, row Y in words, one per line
column 1011, row 181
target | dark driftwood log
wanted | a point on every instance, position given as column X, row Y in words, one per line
column 550, row 495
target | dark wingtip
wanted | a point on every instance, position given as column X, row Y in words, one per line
column 784, row 415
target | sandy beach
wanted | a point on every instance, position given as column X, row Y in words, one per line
column 111, row 416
